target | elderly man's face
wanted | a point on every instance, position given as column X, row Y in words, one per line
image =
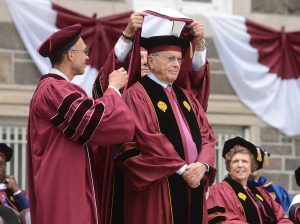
column 166, row 65
column 2, row 169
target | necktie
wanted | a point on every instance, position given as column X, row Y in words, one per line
column 191, row 147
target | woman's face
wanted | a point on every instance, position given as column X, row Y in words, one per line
column 240, row 168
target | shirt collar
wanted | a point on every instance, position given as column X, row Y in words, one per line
column 57, row 72
column 157, row 80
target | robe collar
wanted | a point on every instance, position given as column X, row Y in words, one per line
column 57, row 72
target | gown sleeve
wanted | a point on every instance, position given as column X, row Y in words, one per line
column 83, row 120
column 223, row 206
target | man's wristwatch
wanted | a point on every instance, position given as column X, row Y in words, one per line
column 127, row 37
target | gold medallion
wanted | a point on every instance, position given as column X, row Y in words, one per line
column 162, row 105
column 187, row 105
column 242, row 196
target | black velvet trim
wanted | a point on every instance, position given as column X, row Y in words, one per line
column 91, row 125
column 129, row 154
column 250, row 210
column 270, row 212
column 196, row 208
column 178, row 197
column 97, row 90
column 77, row 117
column 167, row 122
column 216, row 209
column 117, row 217
column 63, row 109
column 217, row 220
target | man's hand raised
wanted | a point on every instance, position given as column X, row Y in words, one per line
column 118, row 78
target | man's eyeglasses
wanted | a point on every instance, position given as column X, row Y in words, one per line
column 171, row 59
column 85, row 51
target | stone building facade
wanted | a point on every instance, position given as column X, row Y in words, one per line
column 229, row 117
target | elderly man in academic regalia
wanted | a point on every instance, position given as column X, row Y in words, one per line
column 197, row 78
column 235, row 201
column 171, row 163
column 63, row 124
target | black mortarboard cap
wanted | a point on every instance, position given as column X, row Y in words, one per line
column 164, row 43
column 229, row 144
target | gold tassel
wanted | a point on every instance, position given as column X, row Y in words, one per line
column 259, row 157
column 266, row 158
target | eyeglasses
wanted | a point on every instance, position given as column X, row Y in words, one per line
column 171, row 59
column 85, row 51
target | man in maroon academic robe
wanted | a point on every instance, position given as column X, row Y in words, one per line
column 199, row 83
column 169, row 166
column 63, row 123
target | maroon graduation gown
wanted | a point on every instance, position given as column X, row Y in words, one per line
column 63, row 122
column 147, row 196
column 223, row 203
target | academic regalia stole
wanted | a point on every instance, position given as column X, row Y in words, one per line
column 117, row 215
column 248, row 205
column 271, row 217
column 182, row 212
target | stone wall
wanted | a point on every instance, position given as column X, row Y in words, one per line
column 17, row 67
column 282, row 7
column 285, row 158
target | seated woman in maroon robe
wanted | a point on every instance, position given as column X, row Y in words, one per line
column 233, row 200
